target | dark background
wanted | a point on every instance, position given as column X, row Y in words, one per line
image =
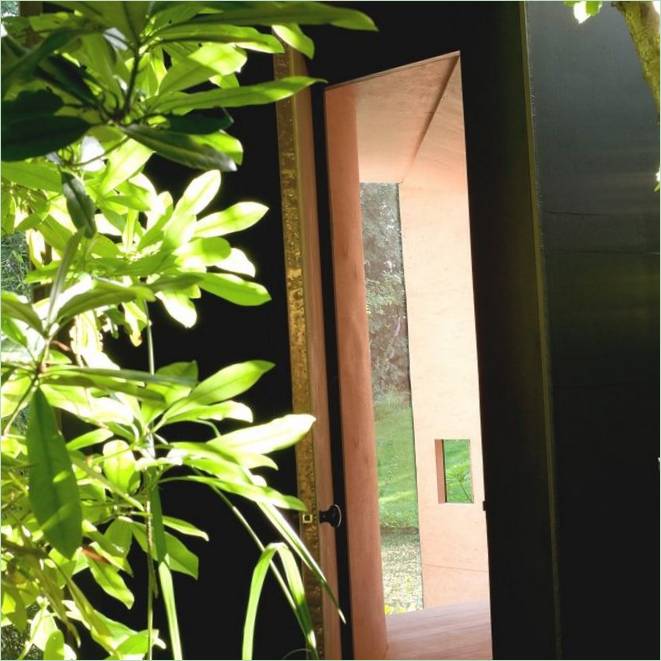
column 597, row 149
column 596, row 143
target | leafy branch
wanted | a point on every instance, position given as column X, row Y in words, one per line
column 89, row 94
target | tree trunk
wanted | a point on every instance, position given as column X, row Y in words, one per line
column 643, row 23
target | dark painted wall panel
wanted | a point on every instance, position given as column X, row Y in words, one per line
column 597, row 149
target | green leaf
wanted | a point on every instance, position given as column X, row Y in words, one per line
column 243, row 37
column 262, row 439
column 180, row 281
column 36, row 176
column 181, row 148
column 256, row 584
column 184, row 527
column 234, row 289
column 295, row 584
column 90, row 438
column 293, row 36
column 119, row 534
column 178, row 557
column 246, row 95
column 179, row 307
column 23, row 67
column 70, row 248
column 237, row 262
column 167, row 589
column 110, row 581
column 25, row 137
column 253, row 492
column 123, row 165
column 53, row 491
column 79, row 204
column 14, row 307
column 280, row 523
column 119, row 465
column 236, row 218
column 227, row 409
column 198, row 66
column 198, row 123
column 200, row 253
column 223, row 385
column 158, row 531
column 277, row 13
column 54, row 648
column 128, row 17
column 103, row 295
column 222, row 59
column 198, row 194
column 106, row 549
column 182, row 75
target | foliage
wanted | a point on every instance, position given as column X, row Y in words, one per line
column 384, row 280
column 89, row 94
column 398, row 502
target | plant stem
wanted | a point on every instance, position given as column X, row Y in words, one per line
column 151, row 582
column 134, row 75
column 151, row 574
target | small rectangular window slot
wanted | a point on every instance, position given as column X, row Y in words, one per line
column 453, row 471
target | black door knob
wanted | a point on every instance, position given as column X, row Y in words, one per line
column 332, row 516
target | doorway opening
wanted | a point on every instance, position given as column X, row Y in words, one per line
column 412, row 213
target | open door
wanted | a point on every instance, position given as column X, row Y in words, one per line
column 510, row 323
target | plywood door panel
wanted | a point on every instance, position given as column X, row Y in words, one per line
column 359, row 449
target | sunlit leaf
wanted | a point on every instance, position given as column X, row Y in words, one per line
column 53, row 490
column 125, row 162
column 198, row 194
column 184, row 527
column 36, row 176
column 237, row 262
column 293, row 36
column 80, row 206
column 178, row 557
column 295, row 583
column 246, row 95
column 54, row 648
column 256, row 584
column 13, row 306
column 262, row 439
column 234, row 289
column 223, row 385
column 110, row 581
column 158, row 531
column 90, row 438
column 244, row 37
column 167, row 589
column 221, row 58
column 188, row 150
column 179, row 307
column 119, row 465
column 278, row 13
column 236, row 218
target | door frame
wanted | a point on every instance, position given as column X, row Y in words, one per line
column 511, row 325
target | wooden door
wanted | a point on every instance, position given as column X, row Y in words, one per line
column 313, row 455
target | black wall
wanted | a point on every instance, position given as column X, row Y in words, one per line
column 597, row 150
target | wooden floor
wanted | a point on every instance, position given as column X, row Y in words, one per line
column 449, row 632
